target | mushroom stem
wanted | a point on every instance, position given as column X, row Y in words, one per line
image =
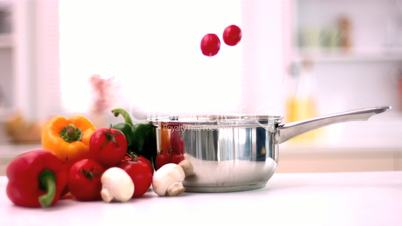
column 106, row 196
column 168, row 180
column 175, row 189
column 187, row 167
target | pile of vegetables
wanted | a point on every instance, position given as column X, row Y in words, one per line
column 86, row 163
column 112, row 164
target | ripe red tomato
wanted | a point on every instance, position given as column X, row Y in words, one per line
column 176, row 158
column 84, row 181
column 210, row 44
column 140, row 170
column 177, row 143
column 108, row 146
column 161, row 159
column 232, row 35
column 143, row 159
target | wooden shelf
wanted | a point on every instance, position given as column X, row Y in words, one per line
column 351, row 57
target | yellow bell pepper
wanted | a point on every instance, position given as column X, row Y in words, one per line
column 68, row 138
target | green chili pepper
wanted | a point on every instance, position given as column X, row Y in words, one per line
column 127, row 127
column 141, row 137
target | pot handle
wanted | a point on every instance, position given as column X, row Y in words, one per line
column 290, row 130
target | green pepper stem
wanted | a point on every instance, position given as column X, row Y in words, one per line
column 71, row 133
column 120, row 111
column 47, row 183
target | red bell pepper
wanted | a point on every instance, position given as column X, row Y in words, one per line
column 36, row 179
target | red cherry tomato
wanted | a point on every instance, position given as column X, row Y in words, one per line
column 108, row 146
column 232, row 35
column 210, row 44
column 84, row 180
column 177, row 143
column 140, row 171
column 161, row 159
column 176, row 158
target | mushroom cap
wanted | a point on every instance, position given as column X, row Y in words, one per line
column 116, row 185
column 166, row 176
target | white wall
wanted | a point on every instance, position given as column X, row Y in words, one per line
column 264, row 59
column 151, row 50
column 6, row 77
column 35, row 58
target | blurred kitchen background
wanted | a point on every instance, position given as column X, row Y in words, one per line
column 298, row 59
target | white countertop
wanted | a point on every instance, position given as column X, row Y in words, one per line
column 373, row 198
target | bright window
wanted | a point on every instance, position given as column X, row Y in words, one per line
column 151, row 51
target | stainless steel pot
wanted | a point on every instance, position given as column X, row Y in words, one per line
column 235, row 153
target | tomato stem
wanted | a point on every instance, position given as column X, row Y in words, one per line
column 132, row 155
column 88, row 174
column 110, row 136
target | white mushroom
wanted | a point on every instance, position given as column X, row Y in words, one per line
column 187, row 167
column 168, row 180
column 116, row 185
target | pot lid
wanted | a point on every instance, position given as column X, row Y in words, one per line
column 218, row 119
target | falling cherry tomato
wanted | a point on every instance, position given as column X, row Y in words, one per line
column 232, row 35
column 210, row 44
